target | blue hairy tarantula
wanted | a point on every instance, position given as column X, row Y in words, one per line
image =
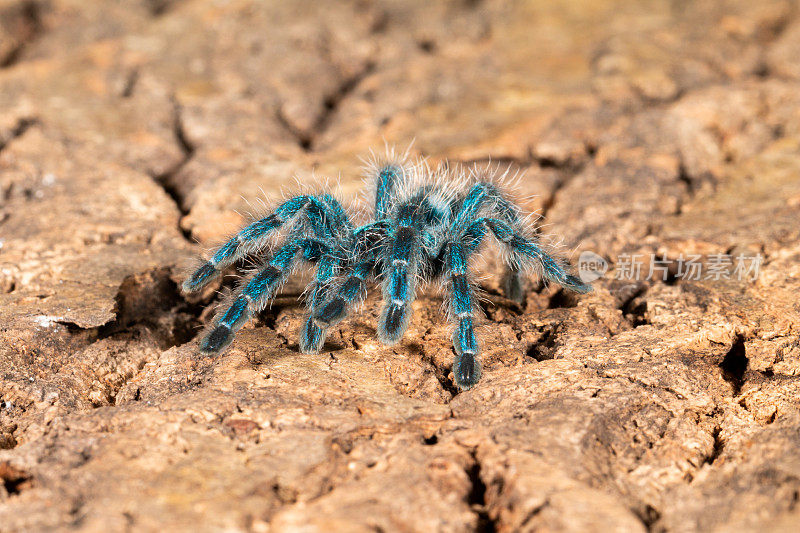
column 426, row 225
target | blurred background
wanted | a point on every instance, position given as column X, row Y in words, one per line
column 132, row 130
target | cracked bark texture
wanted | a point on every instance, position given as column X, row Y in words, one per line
column 131, row 130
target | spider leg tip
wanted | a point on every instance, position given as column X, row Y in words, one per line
column 312, row 337
column 330, row 313
column 217, row 339
column 190, row 287
column 199, row 278
column 394, row 323
column 577, row 285
column 513, row 286
column 466, row 371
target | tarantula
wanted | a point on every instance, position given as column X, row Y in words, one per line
column 426, row 226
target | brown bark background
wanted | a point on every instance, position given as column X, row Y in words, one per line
column 130, row 130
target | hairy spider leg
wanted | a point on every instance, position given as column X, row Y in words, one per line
column 349, row 293
column 512, row 281
column 312, row 336
column 480, row 196
column 335, row 222
column 484, row 195
column 334, row 217
column 401, row 266
column 367, row 241
column 259, row 290
column 461, row 311
column 328, row 222
column 323, row 215
column 526, row 252
column 436, row 209
column 512, row 284
column 386, row 181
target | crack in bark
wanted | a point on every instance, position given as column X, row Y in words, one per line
column 441, row 375
column 545, row 348
column 150, row 301
column 533, row 512
column 158, row 8
column 735, row 364
column 306, row 139
column 131, row 79
column 634, row 307
column 641, row 383
column 23, row 124
column 145, row 299
column 14, row 480
column 31, row 28
column 477, row 496
column 166, row 180
column 719, row 445
column 648, row 515
column 568, row 174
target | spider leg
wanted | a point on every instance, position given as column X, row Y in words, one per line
column 332, row 214
column 312, row 336
column 488, row 197
column 258, row 291
column 527, row 253
column 327, row 305
column 512, row 284
column 399, row 285
column 322, row 214
column 350, row 292
column 461, row 307
column 352, row 285
column 387, row 177
column 328, row 224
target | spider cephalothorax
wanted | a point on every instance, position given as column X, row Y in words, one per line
column 426, row 226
